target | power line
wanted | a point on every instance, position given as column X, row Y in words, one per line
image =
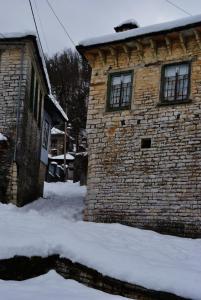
column 178, row 7
column 41, row 25
column 32, row 11
column 60, row 22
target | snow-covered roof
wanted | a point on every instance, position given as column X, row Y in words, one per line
column 58, row 106
column 2, row 137
column 142, row 31
column 55, row 130
column 59, row 157
column 32, row 34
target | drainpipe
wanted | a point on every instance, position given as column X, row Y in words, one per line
column 19, row 102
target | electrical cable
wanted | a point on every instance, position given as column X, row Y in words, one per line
column 178, row 7
column 32, row 11
column 60, row 22
column 41, row 25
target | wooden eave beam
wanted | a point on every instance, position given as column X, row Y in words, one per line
column 153, row 47
column 114, row 53
column 182, row 42
column 197, row 37
column 127, row 51
column 168, row 45
column 139, row 49
column 91, row 57
column 102, row 56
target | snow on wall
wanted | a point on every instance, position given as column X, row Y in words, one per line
column 120, row 36
column 2, row 137
column 55, row 130
column 68, row 157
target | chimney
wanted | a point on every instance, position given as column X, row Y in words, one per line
column 126, row 25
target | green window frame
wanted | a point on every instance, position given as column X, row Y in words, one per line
column 119, row 91
column 175, row 82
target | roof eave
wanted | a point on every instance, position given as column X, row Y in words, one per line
column 81, row 48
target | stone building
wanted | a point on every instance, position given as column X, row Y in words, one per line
column 57, row 141
column 27, row 114
column 144, row 127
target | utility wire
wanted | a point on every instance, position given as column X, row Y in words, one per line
column 179, row 7
column 32, row 11
column 41, row 25
column 60, row 22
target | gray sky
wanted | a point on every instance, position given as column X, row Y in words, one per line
column 86, row 18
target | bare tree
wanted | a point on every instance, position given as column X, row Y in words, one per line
column 70, row 76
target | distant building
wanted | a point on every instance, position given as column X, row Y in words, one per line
column 57, row 141
column 56, row 167
column 27, row 114
column 144, row 126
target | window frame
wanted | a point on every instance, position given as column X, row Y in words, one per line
column 40, row 108
column 45, row 142
column 32, row 88
column 162, row 84
column 110, row 76
column 36, row 96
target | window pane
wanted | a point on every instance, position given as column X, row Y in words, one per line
column 120, row 90
column 116, row 80
column 170, row 71
column 115, row 95
column 126, row 90
column 175, row 85
column 126, row 78
column 182, row 87
column 183, row 69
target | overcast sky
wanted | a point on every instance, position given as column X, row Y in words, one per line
column 86, row 18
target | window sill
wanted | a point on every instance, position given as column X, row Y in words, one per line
column 119, row 109
column 172, row 103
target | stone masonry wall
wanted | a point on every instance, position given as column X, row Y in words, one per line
column 9, row 91
column 29, row 145
column 23, row 168
column 157, row 188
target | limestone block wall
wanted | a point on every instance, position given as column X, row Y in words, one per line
column 24, row 135
column 157, row 188
column 10, row 65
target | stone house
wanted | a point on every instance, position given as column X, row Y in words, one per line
column 58, row 161
column 27, row 114
column 57, row 141
column 144, row 126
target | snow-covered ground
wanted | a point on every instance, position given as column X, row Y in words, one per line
column 62, row 200
column 146, row 258
column 50, row 286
